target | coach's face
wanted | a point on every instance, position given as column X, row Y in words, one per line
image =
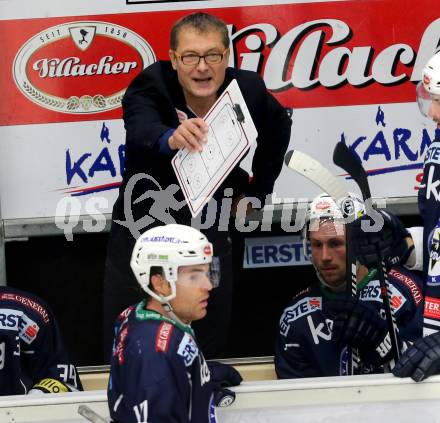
column 200, row 78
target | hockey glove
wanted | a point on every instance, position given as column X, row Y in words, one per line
column 50, row 386
column 223, row 376
column 359, row 326
column 420, row 360
column 388, row 244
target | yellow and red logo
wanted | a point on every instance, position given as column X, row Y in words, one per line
column 80, row 67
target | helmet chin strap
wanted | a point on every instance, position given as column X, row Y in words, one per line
column 169, row 310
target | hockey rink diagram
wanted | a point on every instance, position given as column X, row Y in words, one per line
column 198, row 169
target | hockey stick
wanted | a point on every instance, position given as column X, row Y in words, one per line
column 314, row 171
column 344, row 158
column 90, row 415
column 319, row 175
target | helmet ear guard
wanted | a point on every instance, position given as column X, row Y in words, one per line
column 168, row 247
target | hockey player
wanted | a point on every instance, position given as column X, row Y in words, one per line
column 158, row 373
column 32, row 355
column 423, row 358
column 320, row 322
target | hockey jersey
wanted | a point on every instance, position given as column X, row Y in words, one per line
column 158, row 374
column 429, row 206
column 304, row 346
column 32, row 353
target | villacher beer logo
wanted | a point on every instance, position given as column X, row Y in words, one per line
column 80, row 67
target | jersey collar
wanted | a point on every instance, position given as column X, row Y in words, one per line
column 365, row 280
column 146, row 314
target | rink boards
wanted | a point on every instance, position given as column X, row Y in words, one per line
column 365, row 399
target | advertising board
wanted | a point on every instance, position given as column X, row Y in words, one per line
column 347, row 69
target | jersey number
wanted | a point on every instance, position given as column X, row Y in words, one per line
column 68, row 374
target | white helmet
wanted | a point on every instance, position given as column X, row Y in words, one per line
column 169, row 247
column 324, row 207
column 429, row 87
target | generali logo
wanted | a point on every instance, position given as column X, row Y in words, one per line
column 80, row 67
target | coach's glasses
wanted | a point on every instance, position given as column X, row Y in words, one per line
column 194, row 59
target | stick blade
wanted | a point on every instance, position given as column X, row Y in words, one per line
column 310, row 168
column 345, row 159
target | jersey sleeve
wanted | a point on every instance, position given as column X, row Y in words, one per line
column 147, row 110
column 407, row 301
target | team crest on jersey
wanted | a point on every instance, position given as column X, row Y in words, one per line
column 303, row 307
column 188, row 349
column 434, row 259
column 163, row 336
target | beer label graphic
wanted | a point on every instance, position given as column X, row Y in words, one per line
column 80, row 67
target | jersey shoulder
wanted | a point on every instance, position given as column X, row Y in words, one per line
column 153, row 341
column 25, row 303
column 408, row 282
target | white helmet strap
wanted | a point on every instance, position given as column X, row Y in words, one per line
column 169, row 310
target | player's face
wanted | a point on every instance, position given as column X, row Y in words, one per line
column 434, row 110
column 327, row 243
column 192, row 292
column 200, row 82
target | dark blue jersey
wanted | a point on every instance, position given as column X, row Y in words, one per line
column 429, row 198
column 32, row 354
column 158, row 374
column 429, row 206
column 304, row 345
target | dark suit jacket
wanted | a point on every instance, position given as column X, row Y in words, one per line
column 149, row 110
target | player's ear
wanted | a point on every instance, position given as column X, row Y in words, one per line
column 160, row 285
column 173, row 58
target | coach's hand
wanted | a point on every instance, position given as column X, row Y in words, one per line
column 191, row 134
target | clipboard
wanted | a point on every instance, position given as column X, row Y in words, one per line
column 230, row 135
